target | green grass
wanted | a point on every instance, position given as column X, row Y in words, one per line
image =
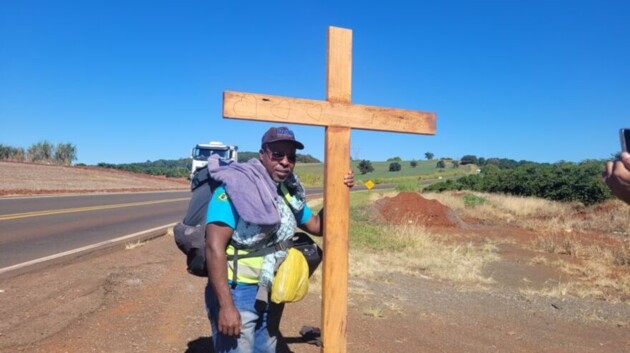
column 369, row 235
column 379, row 248
column 312, row 174
column 473, row 200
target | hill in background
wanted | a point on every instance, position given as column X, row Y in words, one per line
column 30, row 178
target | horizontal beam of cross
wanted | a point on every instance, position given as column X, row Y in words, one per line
column 251, row 106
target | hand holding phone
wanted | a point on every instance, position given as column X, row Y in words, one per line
column 624, row 136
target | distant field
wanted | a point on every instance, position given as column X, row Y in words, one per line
column 312, row 173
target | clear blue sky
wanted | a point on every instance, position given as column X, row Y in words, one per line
column 130, row 81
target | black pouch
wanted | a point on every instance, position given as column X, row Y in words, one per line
column 311, row 251
column 191, row 241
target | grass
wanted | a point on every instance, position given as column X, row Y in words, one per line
column 312, row 174
column 473, row 200
column 599, row 267
column 590, row 279
column 134, row 245
column 588, row 268
column 378, row 250
column 564, row 244
column 540, row 214
column 374, row 311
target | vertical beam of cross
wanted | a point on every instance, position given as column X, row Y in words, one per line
column 336, row 197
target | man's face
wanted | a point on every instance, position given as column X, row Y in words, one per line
column 279, row 159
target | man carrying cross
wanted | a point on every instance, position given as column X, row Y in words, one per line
column 259, row 204
column 338, row 115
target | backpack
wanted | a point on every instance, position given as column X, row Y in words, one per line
column 190, row 233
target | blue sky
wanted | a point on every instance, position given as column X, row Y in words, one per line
column 130, row 81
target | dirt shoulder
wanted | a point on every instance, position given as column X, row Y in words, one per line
column 142, row 300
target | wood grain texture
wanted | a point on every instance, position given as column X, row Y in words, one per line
column 339, row 65
column 336, row 195
column 252, row 106
column 336, row 239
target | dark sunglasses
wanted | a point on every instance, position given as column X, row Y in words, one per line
column 279, row 156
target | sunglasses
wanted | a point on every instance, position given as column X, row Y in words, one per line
column 279, row 156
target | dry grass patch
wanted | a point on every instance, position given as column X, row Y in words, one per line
column 134, row 245
column 539, row 260
column 415, row 251
column 531, row 213
column 600, row 262
column 374, row 311
column 592, row 279
column 595, row 272
column 558, row 243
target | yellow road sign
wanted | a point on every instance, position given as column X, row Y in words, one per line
column 369, row 184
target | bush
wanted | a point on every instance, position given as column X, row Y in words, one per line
column 365, row 167
column 394, row 167
column 408, row 185
column 65, row 153
column 413, row 163
column 9, row 153
column 558, row 182
column 472, row 200
column 468, row 159
column 40, row 152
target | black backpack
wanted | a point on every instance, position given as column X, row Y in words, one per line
column 190, row 233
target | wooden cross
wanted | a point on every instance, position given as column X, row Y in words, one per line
column 338, row 115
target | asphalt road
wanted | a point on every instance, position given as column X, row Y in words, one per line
column 35, row 227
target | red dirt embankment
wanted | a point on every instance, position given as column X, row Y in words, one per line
column 30, row 179
column 412, row 208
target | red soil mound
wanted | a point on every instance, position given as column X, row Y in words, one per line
column 412, row 208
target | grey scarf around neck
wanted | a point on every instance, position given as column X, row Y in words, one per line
column 250, row 187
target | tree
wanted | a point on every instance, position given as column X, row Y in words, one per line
column 413, row 163
column 40, row 152
column 394, row 159
column 441, row 164
column 455, row 164
column 365, row 167
column 245, row 156
column 9, row 153
column 306, row 158
column 394, row 167
column 468, row 159
column 65, row 153
column 429, row 155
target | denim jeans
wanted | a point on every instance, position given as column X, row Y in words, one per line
column 260, row 322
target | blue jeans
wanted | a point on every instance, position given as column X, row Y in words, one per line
column 260, row 322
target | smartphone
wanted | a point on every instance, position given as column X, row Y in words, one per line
column 624, row 136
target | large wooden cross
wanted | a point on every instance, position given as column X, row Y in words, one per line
column 338, row 115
